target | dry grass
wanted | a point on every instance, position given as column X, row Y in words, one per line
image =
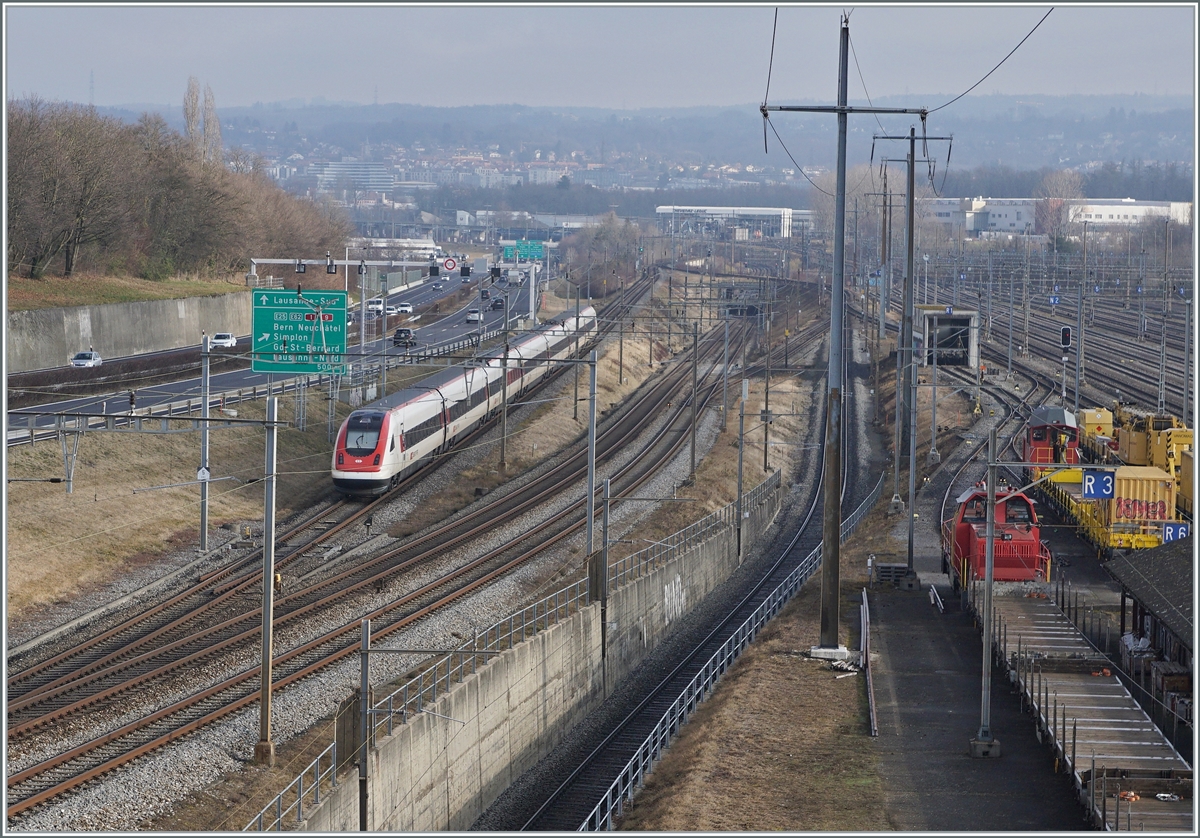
column 60, row 544
column 84, row 289
column 783, row 744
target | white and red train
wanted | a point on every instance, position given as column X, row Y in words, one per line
column 382, row 443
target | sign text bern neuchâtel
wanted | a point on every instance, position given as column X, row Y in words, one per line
column 299, row 333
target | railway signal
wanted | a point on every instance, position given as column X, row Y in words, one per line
column 1064, row 339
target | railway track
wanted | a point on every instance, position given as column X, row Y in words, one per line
column 571, row 805
column 42, row 781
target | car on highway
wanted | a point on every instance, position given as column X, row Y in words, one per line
column 437, row 286
column 404, row 308
column 225, row 339
column 497, row 304
column 474, row 316
column 404, row 337
column 87, row 359
column 392, row 311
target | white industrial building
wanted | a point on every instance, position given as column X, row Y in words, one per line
column 983, row 216
column 750, row 222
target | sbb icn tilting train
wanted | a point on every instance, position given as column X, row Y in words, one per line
column 380, row 444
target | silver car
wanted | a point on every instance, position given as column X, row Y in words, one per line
column 87, row 359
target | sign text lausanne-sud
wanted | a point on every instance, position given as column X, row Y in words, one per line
column 296, row 333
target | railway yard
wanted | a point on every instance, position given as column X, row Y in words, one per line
column 133, row 672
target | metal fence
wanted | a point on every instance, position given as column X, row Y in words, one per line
column 320, row 774
column 412, row 697
column 1104, row 635
column 632, row 777
column 19, row 433
column 660, row 553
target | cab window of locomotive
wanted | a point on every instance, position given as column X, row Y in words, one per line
column 362, row 436
column 975, row 513
column 1016, row 512
column 1039, row 434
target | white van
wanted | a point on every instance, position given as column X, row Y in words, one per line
column 375, row 306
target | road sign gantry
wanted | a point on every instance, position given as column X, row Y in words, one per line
column 299, row 333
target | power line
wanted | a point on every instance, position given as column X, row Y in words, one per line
column 997, row 67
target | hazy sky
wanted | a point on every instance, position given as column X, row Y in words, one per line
column 633, row 56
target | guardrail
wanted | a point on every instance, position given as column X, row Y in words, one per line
column 632, row 777
column 17, row 433
column 296, row 791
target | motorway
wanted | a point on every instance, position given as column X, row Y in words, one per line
column 445, row 330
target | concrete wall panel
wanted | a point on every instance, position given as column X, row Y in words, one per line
column 437, row 774
column 49, row 337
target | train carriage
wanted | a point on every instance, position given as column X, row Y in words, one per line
column 382, row 443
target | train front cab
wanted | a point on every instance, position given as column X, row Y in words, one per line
column 1051, row 439
column 359, row 466
column 1018, row 553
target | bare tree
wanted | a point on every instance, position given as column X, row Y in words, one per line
column 1056, row 191
column 212, row 129
column 191, row 115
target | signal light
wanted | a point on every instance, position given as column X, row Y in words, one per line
column 465, row 270
column 433, row 270
column 330, row 268
column 1065, row 337
column 299, row 266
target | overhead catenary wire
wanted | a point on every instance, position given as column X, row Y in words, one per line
column 997, row 67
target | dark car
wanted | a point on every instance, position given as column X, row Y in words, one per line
column 497, row 304
column 404, row 337
column 485, row 294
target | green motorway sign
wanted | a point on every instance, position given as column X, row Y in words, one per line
column 297, row 334
column 526, row 249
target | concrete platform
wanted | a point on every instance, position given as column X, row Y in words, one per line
column 1091, row 721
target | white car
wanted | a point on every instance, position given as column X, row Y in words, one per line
column 473, row 316
column 225, row 339
column 404, row 308
column 391, row 311
column 87, row 359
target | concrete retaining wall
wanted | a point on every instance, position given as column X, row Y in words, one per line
column 49, row 337
column 437, row 773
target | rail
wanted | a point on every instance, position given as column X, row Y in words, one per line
column 295, row 792
column 632, row 776
column 864, row 645
column 412, row 697
column 661, row 552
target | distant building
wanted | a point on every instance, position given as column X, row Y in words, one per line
column 364, row 177
column 981, row 217
column 747, row 222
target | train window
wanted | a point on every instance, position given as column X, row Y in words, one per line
column 1038, row 434
column 393, row 445
column 975, row 513
column 362, row 434
column 1017, row 512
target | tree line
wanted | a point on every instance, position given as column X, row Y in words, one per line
column 90, row 192
column 1127, row 179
